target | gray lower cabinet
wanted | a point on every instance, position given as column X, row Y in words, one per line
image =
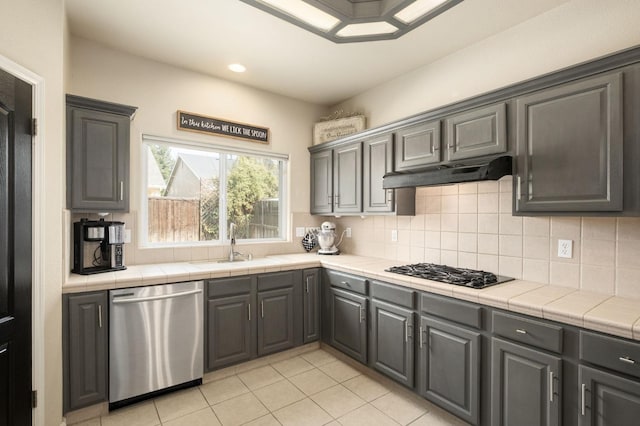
column 417, row 146
column 526, row 386
column 97, row 155
column 570, row 147
column 347, row 179
column 377, row 161
column 607, row 399
column 348, row 323
column 391, row 341
column 276, row 320
column 476, row 133
column 449, row 367
column 230, row 327
column 311, row 305
column 322, row 182
column 85, row 337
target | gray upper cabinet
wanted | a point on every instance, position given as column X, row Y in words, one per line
column 231, row 332
column 311, row 308
column 449, row 367
column 391, row 341
column 97, row 155
column 418, row 146
column 377, row 161
column 349, row 323
column 85, row 336
column 570, row 147
column 525, row 386
column 347, row 178
column 607, row 399
column 476, row 133
column 322, row 182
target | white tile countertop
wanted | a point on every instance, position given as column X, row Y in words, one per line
column 601, row 312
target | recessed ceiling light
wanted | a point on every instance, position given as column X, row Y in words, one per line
column 305, row 12
column 237, row 68
column 417, row 9
column 367, row 29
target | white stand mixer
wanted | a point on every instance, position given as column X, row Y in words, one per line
column 327, row 237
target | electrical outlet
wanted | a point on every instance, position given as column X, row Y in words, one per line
column 348, row 232
column 565, row 248
column 300, row 231
column 394, row 235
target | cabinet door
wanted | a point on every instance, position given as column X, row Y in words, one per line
column 275, row 321
column 476, row 133
column 525, row 385
column 99, row 168
column 569, row 147
column 449, row 367
column 418, row 146
column 86, row 351
column 607, row 399
column 349, row 323
column 377, row 161
column 311, row 306
column 347, row 178
column 392, row 341
column 322, row 182
column 229, row 330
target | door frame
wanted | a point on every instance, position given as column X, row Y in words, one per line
column 37, row 226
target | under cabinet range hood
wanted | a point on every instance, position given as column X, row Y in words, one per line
column 441, row 175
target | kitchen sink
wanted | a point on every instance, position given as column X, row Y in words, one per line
column 232, row 261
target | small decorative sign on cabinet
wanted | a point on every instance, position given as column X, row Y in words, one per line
column 215, row 126
column 330, row 130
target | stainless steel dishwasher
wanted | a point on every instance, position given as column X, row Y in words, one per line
column 155, row 338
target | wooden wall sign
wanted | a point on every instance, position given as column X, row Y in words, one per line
column 215, row 126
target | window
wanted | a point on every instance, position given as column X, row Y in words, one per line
column 193, row 191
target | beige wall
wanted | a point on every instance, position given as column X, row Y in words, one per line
column 32, row 36
column 569, row 34
column 159, row 90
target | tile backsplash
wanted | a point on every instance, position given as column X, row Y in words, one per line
column 471, row 226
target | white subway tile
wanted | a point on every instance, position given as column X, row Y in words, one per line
column 599, row 279
column 467, row 260
column 537, row 247
column 629, row 228
column 489, row 203
column 488, row 223
column 488, row 262
column 433, row 204
column 537, row 226
column 450, row 204
column 488, row 243
column 510, row 266
column 598, row 252
column 432, row 222
column 510, row 245
column 535, row 270
column 449, row 222
column 468, row 203
column 432, row 239
column 449, row 240
column 565, row 274
column 449, row 257
column 627, row 282
column 628, row 254
column 468, row 242
column 468, row 223
column 510, row 225
column 599, row 228
column 569, row 228
column 488, row 186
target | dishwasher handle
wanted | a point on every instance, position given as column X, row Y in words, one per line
column 151, row 298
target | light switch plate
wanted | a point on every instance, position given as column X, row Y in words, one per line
column 565, row 248
column 348, row 232
column 394, row 235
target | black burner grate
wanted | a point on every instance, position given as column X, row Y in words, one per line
column 450, row 275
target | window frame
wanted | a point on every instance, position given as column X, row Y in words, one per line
column 223, row 150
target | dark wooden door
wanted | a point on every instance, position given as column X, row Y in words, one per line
column 607, row 399
column 525, row 387
column 15, row 251
column 276, row 320
column 349, row 323
column 449, row 367
column 392, row 341
column 322, row 182
column 377, row 161
column 85, row 337
column 311, row 309
column 229, row 330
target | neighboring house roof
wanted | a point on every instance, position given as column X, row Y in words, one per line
column 154, row 176
column 187, row 168
column 203, row 167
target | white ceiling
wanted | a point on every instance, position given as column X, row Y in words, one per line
column 207, row 35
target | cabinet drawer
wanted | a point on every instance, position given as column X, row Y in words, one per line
column 276, row 280
column 452, row 310
column 229, row 286
column 610, row 352
column 531, row 332
column 390, row 293
column 347, row 281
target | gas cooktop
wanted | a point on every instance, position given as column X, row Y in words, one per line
column 450, row 275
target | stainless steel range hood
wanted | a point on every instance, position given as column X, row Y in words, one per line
column 440, row 175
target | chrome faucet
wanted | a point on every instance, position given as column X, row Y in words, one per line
column 232, row 240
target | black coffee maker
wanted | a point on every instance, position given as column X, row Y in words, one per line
column 98, row 246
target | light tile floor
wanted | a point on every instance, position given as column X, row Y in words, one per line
column 311, row 388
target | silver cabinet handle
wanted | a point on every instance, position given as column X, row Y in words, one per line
column 262, row 308
column 389, row 195
column 121, row 190
column 518, row 190
column 421, row 341
column 406, row 332
column 521, row 331
column 583, row 391
column 627, row 360
column 361, row 310
column 100, row 316
column 152, row 298
column 249, row 311
column 550, row 386
column 330, row 198
column 307, row 286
